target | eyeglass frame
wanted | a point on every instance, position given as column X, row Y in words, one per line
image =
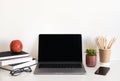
column 18, row 71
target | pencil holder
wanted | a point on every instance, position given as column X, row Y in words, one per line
column 104, row 56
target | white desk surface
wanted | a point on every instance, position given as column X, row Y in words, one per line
column 113, row 75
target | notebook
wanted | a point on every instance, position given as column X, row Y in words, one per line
column 60, row 54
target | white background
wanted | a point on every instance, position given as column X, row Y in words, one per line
column 25, row 19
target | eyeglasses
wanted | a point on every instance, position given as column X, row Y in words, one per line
column 18, row 71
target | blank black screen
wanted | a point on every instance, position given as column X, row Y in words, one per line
column 60, row 48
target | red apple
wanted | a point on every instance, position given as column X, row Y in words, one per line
column 16, row 46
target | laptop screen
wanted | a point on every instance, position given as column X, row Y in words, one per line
column 60, row 48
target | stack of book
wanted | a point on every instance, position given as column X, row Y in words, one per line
column 11, row 61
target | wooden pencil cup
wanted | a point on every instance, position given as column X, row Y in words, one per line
column 104, row 55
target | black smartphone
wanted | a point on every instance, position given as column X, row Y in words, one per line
column 102, row 70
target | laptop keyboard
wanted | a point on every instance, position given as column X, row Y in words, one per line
column 60, row 66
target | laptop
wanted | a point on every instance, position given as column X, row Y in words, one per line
column 60, row 54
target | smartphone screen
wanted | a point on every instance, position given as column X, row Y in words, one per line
column 102, row 70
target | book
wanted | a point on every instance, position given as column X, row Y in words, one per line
column 19, row 65
column 9, row 55
column 15, row 60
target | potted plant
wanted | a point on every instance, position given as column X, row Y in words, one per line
column 91, row 57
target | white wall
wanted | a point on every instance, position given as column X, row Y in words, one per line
column 25, row 19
